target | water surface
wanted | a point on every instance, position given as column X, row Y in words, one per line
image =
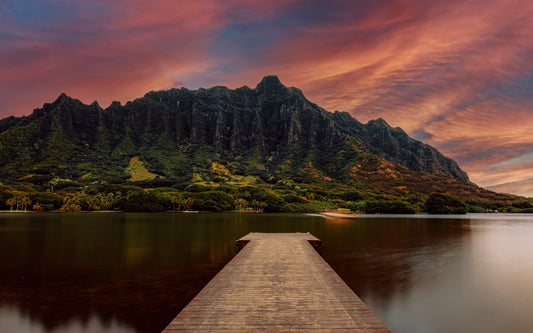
column 117, row 272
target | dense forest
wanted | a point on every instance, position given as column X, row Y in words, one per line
column 284, row 196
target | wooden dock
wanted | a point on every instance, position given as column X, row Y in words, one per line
column 276, row 283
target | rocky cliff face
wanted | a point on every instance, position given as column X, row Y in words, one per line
column 272, row 122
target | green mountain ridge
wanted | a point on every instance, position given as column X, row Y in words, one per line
column 269, row 134
column 268, row 121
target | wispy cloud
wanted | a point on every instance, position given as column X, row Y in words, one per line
column 457, row 74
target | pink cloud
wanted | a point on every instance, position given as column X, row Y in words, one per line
column 139, row 49
column 135, row 47
column 439, row 69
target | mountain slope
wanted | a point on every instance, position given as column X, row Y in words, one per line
column 271, row 131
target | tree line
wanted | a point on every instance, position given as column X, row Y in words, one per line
column 247, row 198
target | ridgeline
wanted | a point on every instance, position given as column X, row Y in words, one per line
column 267, row 148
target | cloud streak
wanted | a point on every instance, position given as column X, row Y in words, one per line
column 457, row 74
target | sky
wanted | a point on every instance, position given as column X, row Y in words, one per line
column 456, row 74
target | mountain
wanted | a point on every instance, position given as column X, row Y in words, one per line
column 270, row 130
column 269, row 145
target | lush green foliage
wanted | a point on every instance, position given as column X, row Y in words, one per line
column 439, row 203
column 308, row 207
column 50, row 200
column 283, row 196
column 389, row 207
column 146, row 156
column 217, row 201
column 140, row 201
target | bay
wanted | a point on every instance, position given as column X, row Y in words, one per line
column 133, row 272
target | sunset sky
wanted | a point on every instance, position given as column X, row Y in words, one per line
column 455, row 74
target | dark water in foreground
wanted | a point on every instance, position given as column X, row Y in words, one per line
column 114, row 272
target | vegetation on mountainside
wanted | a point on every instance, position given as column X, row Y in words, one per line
column 138, row 171
column 264, row 149
column 438, row 203
column 216, row 193
column 202, row 179
column 271, row 132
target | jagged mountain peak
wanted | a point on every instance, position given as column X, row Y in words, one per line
column 272, row 125
column 270, row 81
column 63, row 99
column 379, row 122
column 271, row 86
column 62, row 96
column 115, row 105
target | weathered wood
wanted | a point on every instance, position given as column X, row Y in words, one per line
column 277, row 283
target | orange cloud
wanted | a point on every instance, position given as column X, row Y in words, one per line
column 456, row 74
column 438, row 71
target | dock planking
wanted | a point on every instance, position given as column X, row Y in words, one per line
column 277, row 282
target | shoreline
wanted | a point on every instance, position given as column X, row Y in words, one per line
column 336, row 214
column 322, row 213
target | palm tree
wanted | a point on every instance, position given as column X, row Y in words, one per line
column 25, row 201
column 38, row 208
column 188, row 203
column 255, row 205
column 176, row 199
column 70, row 204
column 240, row 204
column 107, row 200
column 11, row 202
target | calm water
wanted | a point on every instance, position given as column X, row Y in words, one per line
column 114, row 272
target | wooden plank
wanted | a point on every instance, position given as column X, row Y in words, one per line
column 277, row 283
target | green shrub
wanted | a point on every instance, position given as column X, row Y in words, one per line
column 116, row 188
column 310, row 207
column 476, row 209
column 351, row 196
column 414, row 200
column 24, row 188
column 274, row 203
column 216, row 201
column 157, row 182
column 72, row 189
column 389, row 207
column 293, row 198
column 4, row 196
column 439, row 203
column 322, row 193
column 47, row 198
column 358, row 206
column 59, row 185
column 84, row 201
column 522, row 204
column 225, row 188
column 197, row 188
column 39, row 179
column 43, row 207
column 140, row 201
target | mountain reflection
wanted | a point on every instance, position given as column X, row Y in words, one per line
column 137, row 271
column 382, row 257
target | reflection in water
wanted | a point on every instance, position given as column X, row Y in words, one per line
column 134, row 272
column 12, row 320
column 380, row 257
column 136, row 269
